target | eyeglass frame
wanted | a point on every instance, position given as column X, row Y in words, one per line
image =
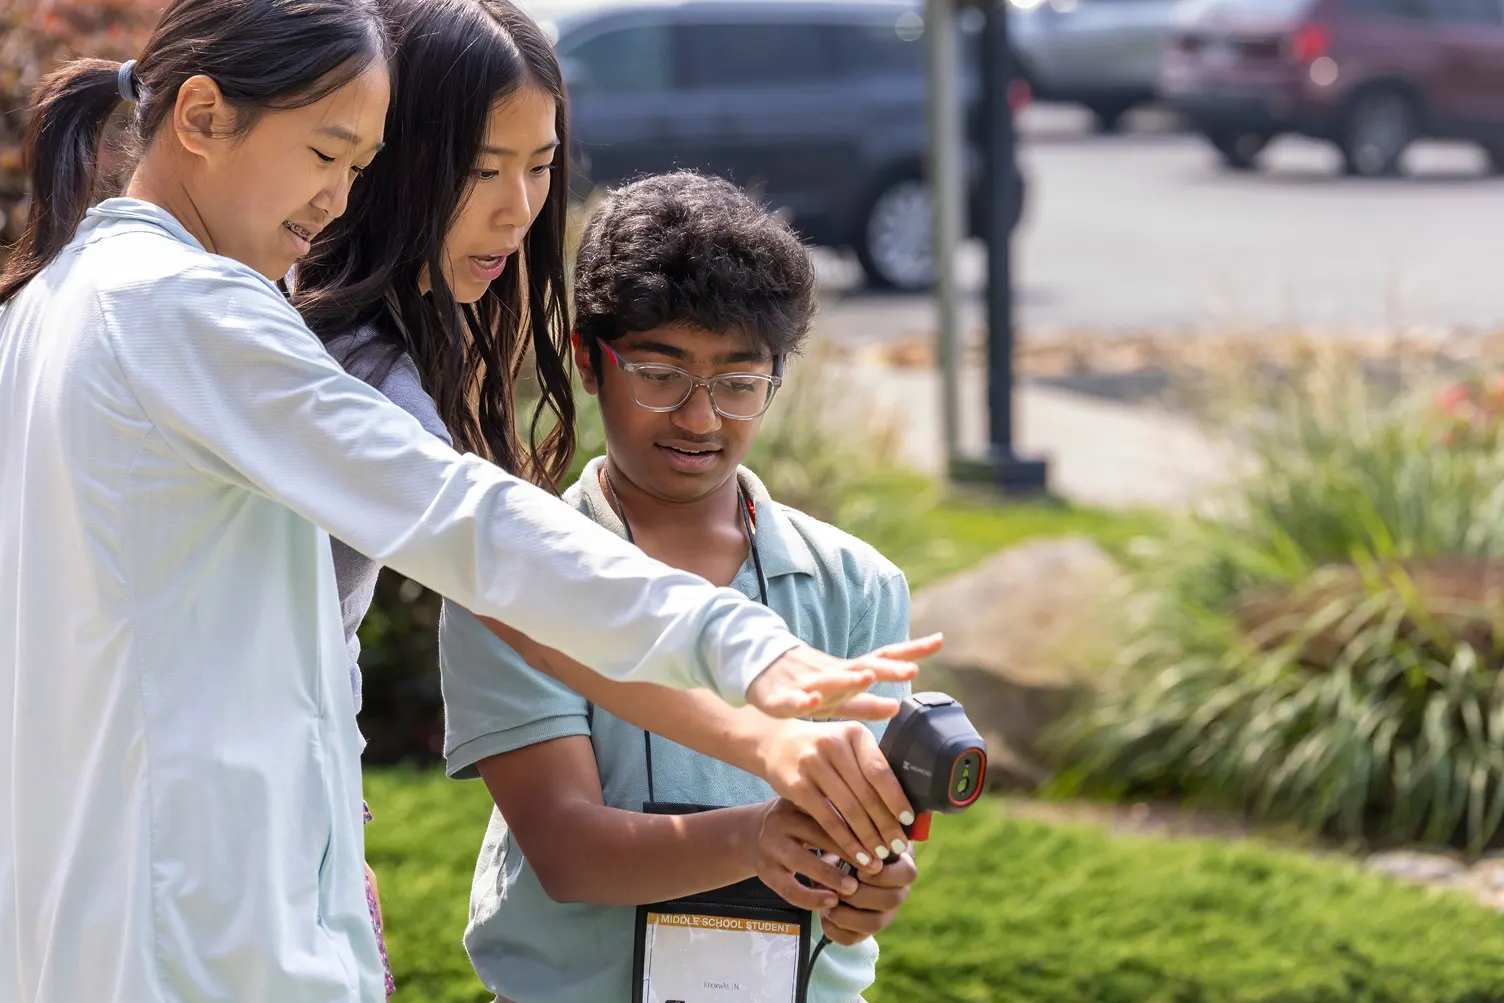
column 696, row 382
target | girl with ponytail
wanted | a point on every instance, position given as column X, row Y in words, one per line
column 179, row 761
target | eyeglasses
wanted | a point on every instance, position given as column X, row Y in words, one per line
column 662, row 388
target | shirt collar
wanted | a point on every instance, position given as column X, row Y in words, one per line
column 137, row 210
column 780, row 546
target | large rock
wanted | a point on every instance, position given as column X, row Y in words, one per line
column 1482, row 880
column 1025, row 634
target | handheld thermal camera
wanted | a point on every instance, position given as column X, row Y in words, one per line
column 938, row 756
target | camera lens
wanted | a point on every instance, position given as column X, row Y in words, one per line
column 965, row 777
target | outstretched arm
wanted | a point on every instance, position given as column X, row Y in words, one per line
column 230, row 376
column 833, row 771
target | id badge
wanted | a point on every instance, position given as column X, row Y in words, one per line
column 738, row 944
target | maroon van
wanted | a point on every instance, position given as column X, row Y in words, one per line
column 1370, row 76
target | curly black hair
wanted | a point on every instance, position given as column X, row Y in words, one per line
column 684, row 248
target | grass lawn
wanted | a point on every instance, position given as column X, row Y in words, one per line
column 1022, row 911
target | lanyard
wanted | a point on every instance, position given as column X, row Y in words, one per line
column 748, row 510
column 680, row 947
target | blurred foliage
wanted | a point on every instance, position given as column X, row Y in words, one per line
column 36, row 36
column 402, row 707
column 1325, row 648
column 1023, row 912
column 1472, row 412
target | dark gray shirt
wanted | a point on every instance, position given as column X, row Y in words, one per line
column 355, row 572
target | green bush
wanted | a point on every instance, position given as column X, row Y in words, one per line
column 36, row 35
column 402, row 708
column 1022, row 912
column 1325, row 648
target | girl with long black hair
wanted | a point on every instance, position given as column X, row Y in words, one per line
column 439, row 293
column 179, row 763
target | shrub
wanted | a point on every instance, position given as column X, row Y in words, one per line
column 36, row 35
column 1325, row 648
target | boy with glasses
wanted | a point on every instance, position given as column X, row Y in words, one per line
column 689, row 297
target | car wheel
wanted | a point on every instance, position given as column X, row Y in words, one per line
column 1109, row 117
column 897, row 245
column 1378, row 128
column 1239, row 151
column 1495, row 153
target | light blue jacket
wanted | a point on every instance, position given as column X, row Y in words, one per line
column 179, row 764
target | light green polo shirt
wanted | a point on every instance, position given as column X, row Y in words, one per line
column 835, row 592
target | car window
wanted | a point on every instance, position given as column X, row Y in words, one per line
column 888, row 49
column 728, row 54
column 1415, row 10
column 1273, row 9
column 1467, row 11
column 629, row 60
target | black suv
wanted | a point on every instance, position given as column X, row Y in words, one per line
column 817, row 106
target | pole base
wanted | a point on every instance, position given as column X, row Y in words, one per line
column 1010, row 474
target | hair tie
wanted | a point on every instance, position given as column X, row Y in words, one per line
column 125, row 80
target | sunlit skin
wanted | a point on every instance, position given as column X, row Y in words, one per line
column 509, row 185
column 674, row 473
column 261, row 197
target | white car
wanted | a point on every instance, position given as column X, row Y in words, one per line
column 1104, row 54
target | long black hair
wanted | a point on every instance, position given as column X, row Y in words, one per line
column 455, row 60
column 265, row 55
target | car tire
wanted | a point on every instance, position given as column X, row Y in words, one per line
column 1239, row 150
column 1109, row 117
column 1494, row 151
column 1378, row 127
column 896, row 246
column 895, row 242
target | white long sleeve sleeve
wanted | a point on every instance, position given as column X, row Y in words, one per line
column 232, row 378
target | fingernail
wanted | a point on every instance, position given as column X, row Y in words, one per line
column 899, row 845
column 863, row 859
column 849, row 886
column 906, row 817
column 882, row 853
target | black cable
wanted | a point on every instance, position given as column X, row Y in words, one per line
column 762, row 588
column 809, row 971
column 747, row 526
column 751, row 531
column 647, row 756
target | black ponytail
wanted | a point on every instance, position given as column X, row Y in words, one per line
column 265, row 55
column 69, row 112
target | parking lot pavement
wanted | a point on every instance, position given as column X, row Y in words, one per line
column 1101, row 452
column 1146, row 233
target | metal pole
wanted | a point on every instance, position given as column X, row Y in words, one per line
column 1002, row 199
column 998, row 156
column 948, row 191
